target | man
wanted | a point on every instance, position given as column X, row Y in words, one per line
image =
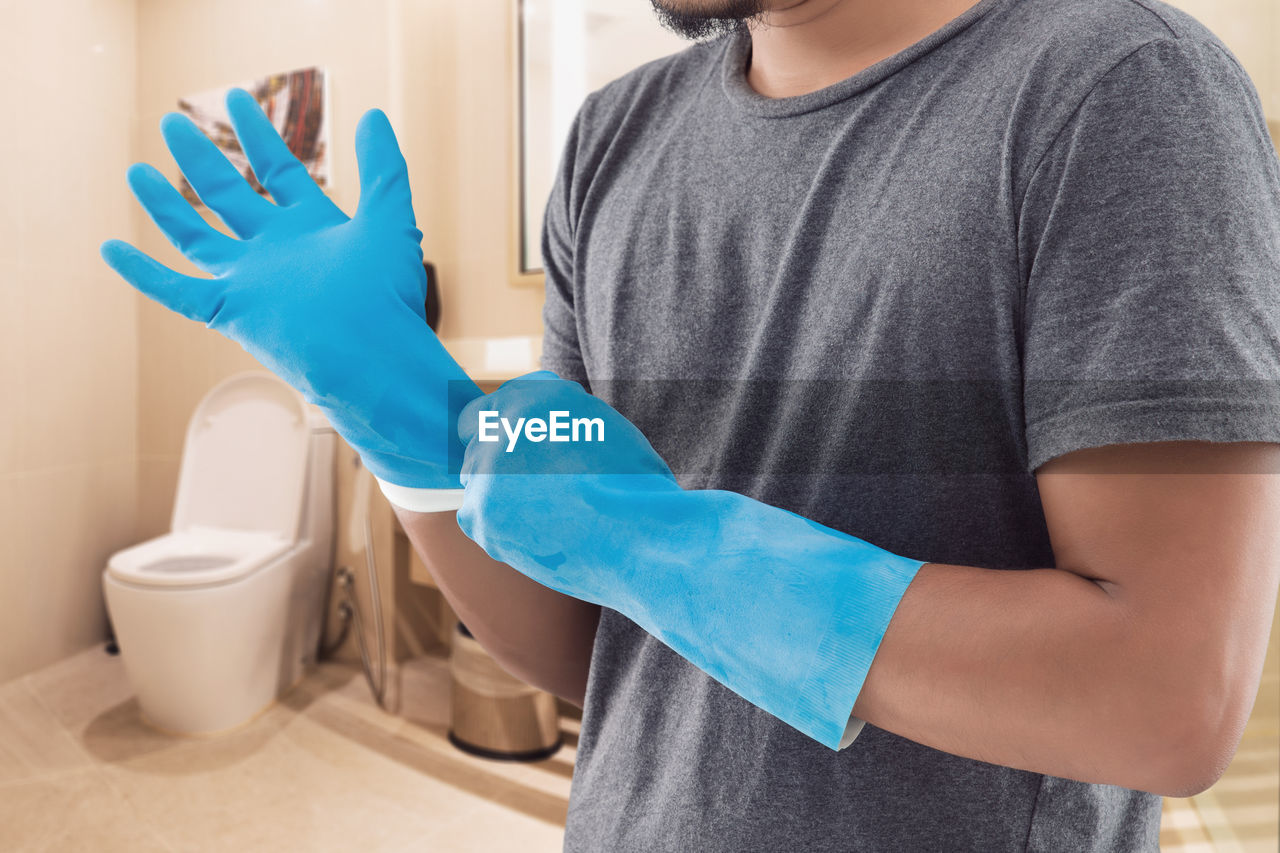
column 920, row 191
column 994, row 286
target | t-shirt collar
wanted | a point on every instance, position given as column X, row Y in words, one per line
column 737, row 53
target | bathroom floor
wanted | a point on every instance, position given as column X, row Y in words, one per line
column 325, row 769
column 322, row 770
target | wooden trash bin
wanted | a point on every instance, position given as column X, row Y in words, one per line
column 495, row 714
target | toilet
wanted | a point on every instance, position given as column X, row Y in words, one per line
column 221, row 615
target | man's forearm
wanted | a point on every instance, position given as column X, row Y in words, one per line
column 535, row 633
column 1041, row 670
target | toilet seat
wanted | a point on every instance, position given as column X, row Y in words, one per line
column 198, row 556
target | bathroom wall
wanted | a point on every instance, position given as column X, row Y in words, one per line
column 68, row 328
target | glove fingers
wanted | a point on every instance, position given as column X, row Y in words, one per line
column 185, row 228
column 194, row 298
column 214, row 179
column 384, row 176
column 274, row 165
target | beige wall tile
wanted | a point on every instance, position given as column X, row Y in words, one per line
column 62, row 373
column 68, row 382
column 76, row 519
column 16, row 575
column 454, row 61
column 81, row 331
column 157, row 484
column 172, row 375
column 13, row 367
column 240, row 40
column 78, row 92
column 14, row 101
column 81, row 375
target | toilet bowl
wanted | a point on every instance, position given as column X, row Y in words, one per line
column 221, row 615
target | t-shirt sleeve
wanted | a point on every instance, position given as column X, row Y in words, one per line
column 1149, row 238
column 560, row 350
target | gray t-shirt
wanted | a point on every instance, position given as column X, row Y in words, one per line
column 1050, row 225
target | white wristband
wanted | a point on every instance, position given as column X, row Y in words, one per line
column 422, row 500
column 851, row 731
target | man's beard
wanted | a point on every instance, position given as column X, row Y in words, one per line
column 706, row 19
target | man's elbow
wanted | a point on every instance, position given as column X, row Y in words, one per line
column 1196, row 738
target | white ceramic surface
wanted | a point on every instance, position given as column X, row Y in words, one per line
column 223, row 614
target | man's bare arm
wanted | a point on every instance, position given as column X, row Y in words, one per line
column 1137, row 660
column 535, row 633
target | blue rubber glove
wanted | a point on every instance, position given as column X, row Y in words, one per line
column 783, row 611
column 331, row 304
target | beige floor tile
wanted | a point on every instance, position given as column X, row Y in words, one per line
column 345, row 684
column 463, row 786
column 89, row 694
column 78, row 811
column 32, row 743
column 419, row 738
column 478, row 789
column 425, row 691
column 81, row 687
column 122, row 738
column 1260, row 845
column 538, row 789
column 288, row 783
column 492, row 829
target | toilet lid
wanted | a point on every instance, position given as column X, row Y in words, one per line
column 244, row 462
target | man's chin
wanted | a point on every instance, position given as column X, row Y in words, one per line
column 699, row 20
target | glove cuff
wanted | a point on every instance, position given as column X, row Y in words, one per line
column 870, row 594
column 421, row 500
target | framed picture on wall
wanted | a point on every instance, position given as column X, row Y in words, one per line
column 296, row 102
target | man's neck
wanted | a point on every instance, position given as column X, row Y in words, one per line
column 811, row 44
